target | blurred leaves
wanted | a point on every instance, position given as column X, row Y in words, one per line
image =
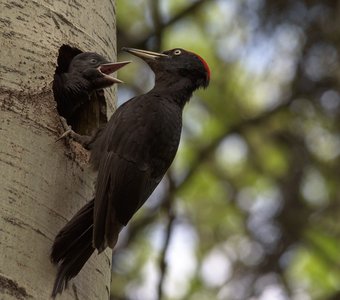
column 251, row 205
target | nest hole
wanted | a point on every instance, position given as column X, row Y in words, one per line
column 92, row 113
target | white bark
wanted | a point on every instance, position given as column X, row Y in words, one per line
column 40, row 186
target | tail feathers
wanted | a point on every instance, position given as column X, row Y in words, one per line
column 72, row 247
column 69, row 269
column 106, row 229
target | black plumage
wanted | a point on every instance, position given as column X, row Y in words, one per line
column 87, row 72
column 132, row 154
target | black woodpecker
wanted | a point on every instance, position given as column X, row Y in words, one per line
column 86, row 73
column 132, row 154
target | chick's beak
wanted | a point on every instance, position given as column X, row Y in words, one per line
column 144, row 54
column 109, row 68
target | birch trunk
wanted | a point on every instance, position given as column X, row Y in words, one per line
column 41, row 187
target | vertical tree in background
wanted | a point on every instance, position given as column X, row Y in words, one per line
column 41, row 185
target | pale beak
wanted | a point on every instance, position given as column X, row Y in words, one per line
column 144, row 54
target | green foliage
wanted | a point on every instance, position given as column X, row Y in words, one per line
column 256, row 178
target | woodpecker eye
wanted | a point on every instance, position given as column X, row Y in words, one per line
column 93, row 61
column 177, row 52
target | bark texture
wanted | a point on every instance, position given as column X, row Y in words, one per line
column 42, row 183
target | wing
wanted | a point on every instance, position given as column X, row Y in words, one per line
column 126, row 177
column 70, row 92
column 122, row 188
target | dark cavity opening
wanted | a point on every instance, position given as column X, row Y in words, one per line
column 91, row 112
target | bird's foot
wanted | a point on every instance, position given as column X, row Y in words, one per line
column 66, row 134
column 64, row 123
column 69, row 133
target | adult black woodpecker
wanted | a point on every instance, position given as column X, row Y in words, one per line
column 87, row 72
column 132, row 154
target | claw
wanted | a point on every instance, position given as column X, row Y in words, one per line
column 68, row 130
column 65, row 134
column 64, row 123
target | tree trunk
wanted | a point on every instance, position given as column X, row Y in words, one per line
column 41, row 184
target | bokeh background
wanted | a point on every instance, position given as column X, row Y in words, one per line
column 251, row 206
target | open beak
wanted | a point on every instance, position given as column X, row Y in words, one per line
column 144, row 54
column 109, row 68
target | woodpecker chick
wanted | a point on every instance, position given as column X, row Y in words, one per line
column 86, row 73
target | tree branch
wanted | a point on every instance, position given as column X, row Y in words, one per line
column 171, row 216
column 130, row 41
column 157, row 24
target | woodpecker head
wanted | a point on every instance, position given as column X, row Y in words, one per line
column 96, row 69
column 176, row 64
